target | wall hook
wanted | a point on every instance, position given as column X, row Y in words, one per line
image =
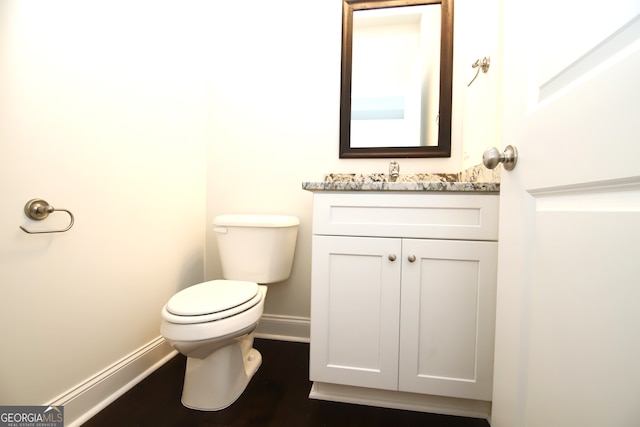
column 481, row 64
column 38, row 209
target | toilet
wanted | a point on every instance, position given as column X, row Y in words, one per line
column 213, row 323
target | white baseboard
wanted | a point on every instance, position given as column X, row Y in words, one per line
column 284, row 328
column 401, row 400
column 91, row 396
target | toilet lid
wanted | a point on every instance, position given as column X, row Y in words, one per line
column 211, row 297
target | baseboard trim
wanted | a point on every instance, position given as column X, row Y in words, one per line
column 91, row 396
column 284, row 328
column 401, row 400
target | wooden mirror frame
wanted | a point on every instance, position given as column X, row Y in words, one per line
column 443, row 149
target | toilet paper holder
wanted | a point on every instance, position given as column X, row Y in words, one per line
column 38, row 209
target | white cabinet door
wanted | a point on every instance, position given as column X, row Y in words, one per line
column 355, row 311
column 448, row 317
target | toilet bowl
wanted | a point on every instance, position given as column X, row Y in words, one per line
column 216, row 339
column 213, row 323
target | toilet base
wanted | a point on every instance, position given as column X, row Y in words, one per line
column 215, row 382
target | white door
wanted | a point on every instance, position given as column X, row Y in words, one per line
column 355, row 315
column 447, row 317
column 568, row 315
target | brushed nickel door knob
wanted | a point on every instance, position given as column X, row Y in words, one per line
column 492, row 157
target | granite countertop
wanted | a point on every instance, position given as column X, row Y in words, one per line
column 475, row 179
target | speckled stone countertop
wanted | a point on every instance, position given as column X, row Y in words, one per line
column 475, row 179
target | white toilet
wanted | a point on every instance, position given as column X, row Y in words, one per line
column 212, row 323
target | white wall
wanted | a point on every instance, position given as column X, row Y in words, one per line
column 102, row 112
column 147, row 119
column 476, row 37
column 275, row 124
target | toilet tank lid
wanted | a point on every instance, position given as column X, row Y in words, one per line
column 256, row 220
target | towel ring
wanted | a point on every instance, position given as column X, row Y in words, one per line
column 38, row 209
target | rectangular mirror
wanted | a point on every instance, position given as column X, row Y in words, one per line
column 397, row 60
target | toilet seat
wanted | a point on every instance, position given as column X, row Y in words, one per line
column 211, row 301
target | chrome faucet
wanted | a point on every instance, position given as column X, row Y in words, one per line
column 394, row 170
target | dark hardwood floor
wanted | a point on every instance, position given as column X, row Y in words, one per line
column 276, row 396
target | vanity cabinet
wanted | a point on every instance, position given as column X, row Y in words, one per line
column 403, row 292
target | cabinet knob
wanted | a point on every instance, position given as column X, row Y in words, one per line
column 392, row 257
column 411, row 258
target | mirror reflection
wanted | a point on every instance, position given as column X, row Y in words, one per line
column 395, row 70
column 396, row 79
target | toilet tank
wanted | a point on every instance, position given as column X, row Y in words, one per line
column 256, row 248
